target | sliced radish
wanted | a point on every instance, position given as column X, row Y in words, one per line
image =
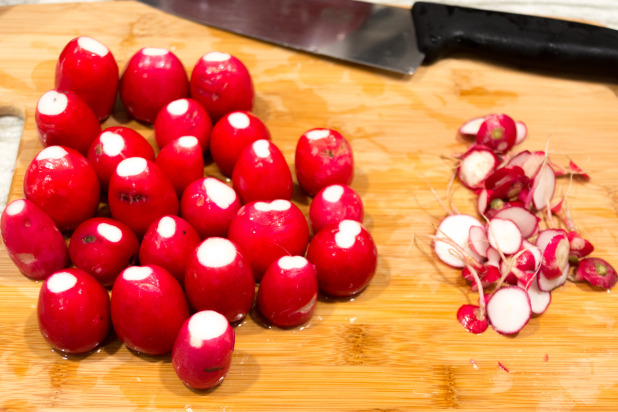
column 509, row 310
column 522, row 132
column 555, row 257
column 476, row 165
column 533, row 162
column 520, row 159
column 471, row 127
column 546, row 235
column 504, row 235
column 543, row 187
column 547, row 285
column 539, row 299
column 526, row 221
column 478, row 240
column 457, row 229
column 470, row 319
column 580, row 247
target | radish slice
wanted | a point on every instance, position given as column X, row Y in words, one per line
column 457, row 229
column 476, row 165
column 493, row 257
column 532, row 163
column 526, row 221
column 580, row 247
column 539, row 299
column 478, row 241
column 509, row 310
column 504, row 235
column 522, row 132
column 555, row 257
column 543, row 187
column 471, row 127
column 547, row 285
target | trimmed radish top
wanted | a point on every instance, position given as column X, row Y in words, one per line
column 52, row 153
column 216, row 252
column 112, row 143
column 52, row 103
column 178, row 107
column 261, row 148
column 188, row 141
column 292, row 262
column 166, row 227
column 61, row 282
column 239, row 120
column 206, row 325
column 348, row 230
column 109, row 232
column 154, row 51
column 92, row 45
column 132, row 166
column 216, row 56
column 219, row 192
column 15, row 207
column 136, row 273
column 317, row 134
column 278, row 205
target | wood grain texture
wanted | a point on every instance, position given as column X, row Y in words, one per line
column 397, row 346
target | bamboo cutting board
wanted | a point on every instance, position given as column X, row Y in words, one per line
column 397, row 346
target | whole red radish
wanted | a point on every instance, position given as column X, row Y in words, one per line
column 148, row 308
column 262, row 173
column 231, row 135
column 73, row 311
column 152, row 78
column 112, row 146
column 209, row 205
column 103, row 247
column 222, row 84
column 266, row 231
column 203, row 350
column 323, row 157
column 61, row 182
column 182, row 161
column 64, row 119
column 169, row 242
column 183, row 117
column 87, row 68
column 333, row 204
column 219, row 278
column 32, row 239
column 345, row 258
column 288, row 292
column 140, row 193
column 499, row 132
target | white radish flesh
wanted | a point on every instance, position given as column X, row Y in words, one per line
column 522, row 131
column 478, row 241
column 526, row 221
column 539, row 299
column 457, row 229
column 509, row 310
column 555, row 257
column 476, row 165
column 504, row 235
column 547, row 285
column 543, row 187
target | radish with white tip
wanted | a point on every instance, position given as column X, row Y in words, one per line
column 182, row 161
column 470, row 318
column 333, row 204
column 183, row 117
column 203, row 350
column 509, row 310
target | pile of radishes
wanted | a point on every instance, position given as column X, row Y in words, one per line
column 181, row 252
column 523, row 244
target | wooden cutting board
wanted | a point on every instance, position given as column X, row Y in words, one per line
column 397, row 346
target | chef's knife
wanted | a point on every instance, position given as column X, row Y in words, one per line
column 399, row 39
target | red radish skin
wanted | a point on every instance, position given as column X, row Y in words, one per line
column 288, row 293
column 168, row 243
column 333, row 204
column 62, row 183
column 547, row 285
column 231, row 135
column 509, row 310
column 152, row 78
column 555, row 256
column 209, row 205
column 32, row 240
column 543, row 187
column 471, row 127
column 73, row 311
column 476, row 165
column 221, row 84
column 148, row 308
column 140, row 193
column 88, row 68
column 579, row 247
column 183, row 117
column 345, row 257
column 262, row 173
column 598, row 272
column 112, row 146
column 499, row 132
column 103, row 247
column 266, row 231
column 202, row 353
column 182, row 161
column 219, row 278
column 64, row 119
column 323, row 157
column 457, row 229
column 469, row 317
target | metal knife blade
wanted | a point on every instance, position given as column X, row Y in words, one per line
column 398, row 39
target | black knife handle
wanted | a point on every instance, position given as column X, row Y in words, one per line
column 518, row 39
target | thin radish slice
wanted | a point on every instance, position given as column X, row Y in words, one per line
column 476, row 165
column 547, row 285
column 543, row 187
column 526, row 221
column 522, row 131
column 534, row 252
column 539, row 299
column 546, row 235
column 478, row 241
column 509, row 310
column 555, row 257
column 456, row 228
column 471, row 127
column 520, row 159
column 504, row 235
column 493, row 257
column 533, row 163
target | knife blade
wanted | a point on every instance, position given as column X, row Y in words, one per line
column 400, row 39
